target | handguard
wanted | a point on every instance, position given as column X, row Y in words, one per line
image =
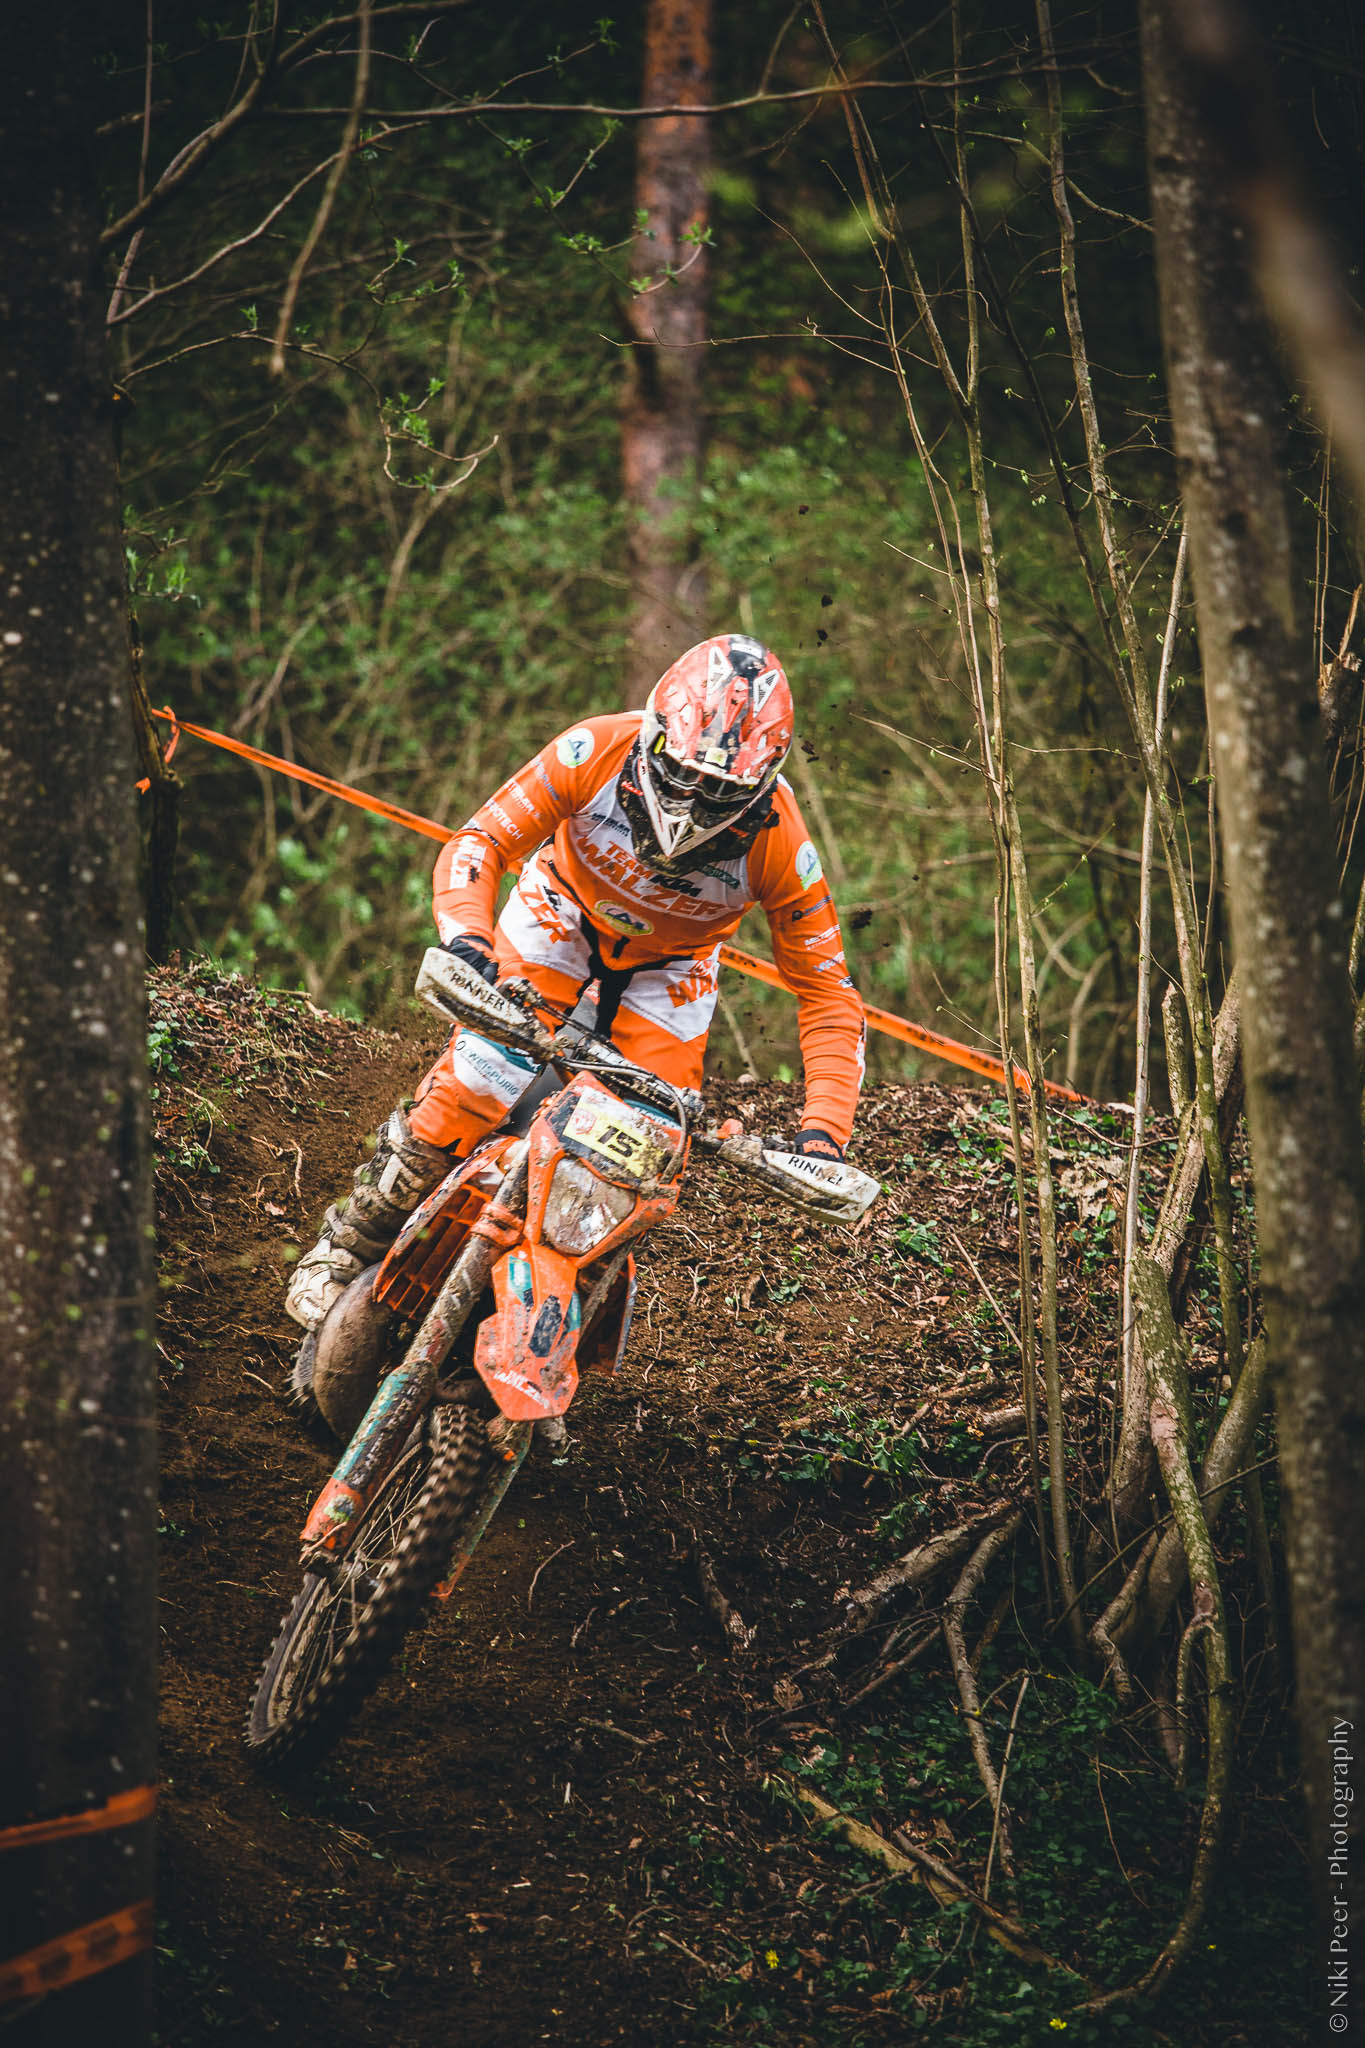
column 458, row 993
column 828, row 1188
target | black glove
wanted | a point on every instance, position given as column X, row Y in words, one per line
column 813, row 1144
column 477, row 956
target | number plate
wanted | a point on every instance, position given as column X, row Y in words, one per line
column 604, row 1127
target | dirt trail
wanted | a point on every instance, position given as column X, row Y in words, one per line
column 521, row 1837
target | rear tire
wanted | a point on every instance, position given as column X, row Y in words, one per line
column 341, row 1632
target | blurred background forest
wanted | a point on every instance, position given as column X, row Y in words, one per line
column 402, row 559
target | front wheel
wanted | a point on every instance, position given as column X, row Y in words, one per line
column 348, row 1620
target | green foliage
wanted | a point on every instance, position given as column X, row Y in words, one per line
column 408, row 558
column 834, row 1949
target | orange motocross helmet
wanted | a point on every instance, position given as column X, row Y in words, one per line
column 717, row 728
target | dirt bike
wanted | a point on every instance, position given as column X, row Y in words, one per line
column 512, row 1276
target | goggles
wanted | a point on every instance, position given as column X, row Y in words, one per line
column 711, row 799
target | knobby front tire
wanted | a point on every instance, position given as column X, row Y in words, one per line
column 339, row 1636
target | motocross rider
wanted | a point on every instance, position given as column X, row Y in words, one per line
column 643, row 838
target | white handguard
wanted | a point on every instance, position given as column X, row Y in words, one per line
column 458, row 993
column 829, row 1188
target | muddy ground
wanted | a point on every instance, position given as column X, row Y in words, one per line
column 567, row 1815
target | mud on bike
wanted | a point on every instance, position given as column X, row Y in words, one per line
column 512, row 1276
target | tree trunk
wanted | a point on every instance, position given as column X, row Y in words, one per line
column 77, row 1451
column 1288, row 929
column 663, row 425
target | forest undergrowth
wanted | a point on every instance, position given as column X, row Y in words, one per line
column 690, row 1758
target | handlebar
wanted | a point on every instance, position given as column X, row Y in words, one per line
column 832, row 1190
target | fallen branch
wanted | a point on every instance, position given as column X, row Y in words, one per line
column 883, row 1672
column 610, row 1728
column 1010, row 1420
column 907, row 1859
column 531, row 1589
column 919, row 1565
column 864, row 1607
column 727, row 1617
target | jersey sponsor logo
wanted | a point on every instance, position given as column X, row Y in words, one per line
column 825, row 902
column 617, row 918
column 814, row 939
column 574, row 748
column 695, row 986
column 466, row 861
column 808, row 867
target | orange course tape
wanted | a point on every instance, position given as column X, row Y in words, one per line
column 99, row 1945
column 885, row 1021
column 122, row 1811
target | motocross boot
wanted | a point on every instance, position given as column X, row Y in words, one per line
column 358, row 1231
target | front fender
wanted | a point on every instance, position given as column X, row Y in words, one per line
column 525, row 1351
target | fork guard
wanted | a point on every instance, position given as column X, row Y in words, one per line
column 525, row 1351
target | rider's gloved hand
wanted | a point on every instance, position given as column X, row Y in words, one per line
column 815, row 1144
column 477, row 956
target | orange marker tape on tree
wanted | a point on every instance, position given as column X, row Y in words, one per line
column 82, row 1953
column 885, row 1021
column 393, row 812
column 100, row 1943
column 122, row 1811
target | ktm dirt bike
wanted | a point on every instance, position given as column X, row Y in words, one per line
column 512, row 1276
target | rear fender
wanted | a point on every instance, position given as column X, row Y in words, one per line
column 524, row 1352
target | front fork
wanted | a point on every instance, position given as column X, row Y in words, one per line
column 405, row 1394
column 511, row 1444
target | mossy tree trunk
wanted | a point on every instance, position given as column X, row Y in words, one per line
column 1289, row 932
column 77, row 1470
column 663, row 426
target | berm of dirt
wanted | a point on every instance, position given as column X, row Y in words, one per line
column 573, row 1811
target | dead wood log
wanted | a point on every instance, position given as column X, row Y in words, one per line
column 864, row 1607
column 906, row 1858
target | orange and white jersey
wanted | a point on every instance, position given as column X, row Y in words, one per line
column 568, row 795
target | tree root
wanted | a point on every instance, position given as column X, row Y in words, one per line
column 1169, row 1396
column 978, row 1564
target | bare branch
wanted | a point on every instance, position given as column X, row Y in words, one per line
column 328, row 199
